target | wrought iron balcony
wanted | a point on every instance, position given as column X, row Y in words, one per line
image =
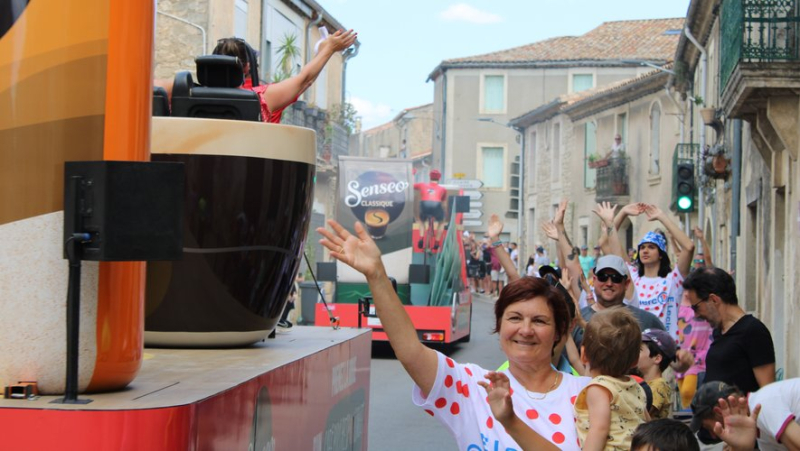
column 613, row 181
column 757, row 31
column 332, row 138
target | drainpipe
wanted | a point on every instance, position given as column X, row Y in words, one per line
column 737, row 187
column 443, row 121
column 352, row 52
column 191, row 24
column 704, row 93
column 313, row 23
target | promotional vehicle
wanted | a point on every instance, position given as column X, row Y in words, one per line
column 431, row 280
column 76, row 86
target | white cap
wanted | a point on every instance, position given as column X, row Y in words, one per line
column 611, row 262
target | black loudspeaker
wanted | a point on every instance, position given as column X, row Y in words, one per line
column 131, row 211
column 461, row 203
column 326, row 271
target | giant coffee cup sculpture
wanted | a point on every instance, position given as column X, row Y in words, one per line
column 249, row 191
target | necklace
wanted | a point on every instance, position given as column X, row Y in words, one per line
column 539, row 398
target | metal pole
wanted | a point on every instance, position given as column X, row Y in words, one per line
column 521, row 222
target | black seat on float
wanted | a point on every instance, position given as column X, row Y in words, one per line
column 218, row 95
column 160, row 101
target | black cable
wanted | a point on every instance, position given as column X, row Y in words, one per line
column 334, row 321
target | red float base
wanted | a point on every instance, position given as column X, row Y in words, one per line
column 306, row 389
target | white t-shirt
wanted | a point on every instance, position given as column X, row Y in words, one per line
column 780, row 405
column 659, row 296
column 460, row 404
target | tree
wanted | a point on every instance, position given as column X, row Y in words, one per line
column 288, row 52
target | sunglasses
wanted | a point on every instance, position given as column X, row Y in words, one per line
column 696, row 306
column 615, row 278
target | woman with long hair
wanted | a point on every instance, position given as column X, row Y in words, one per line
column 658, row 285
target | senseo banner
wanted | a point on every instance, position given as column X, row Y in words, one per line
column 380, row 194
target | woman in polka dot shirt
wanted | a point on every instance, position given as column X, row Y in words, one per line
column 658, row 285
column 530, row 316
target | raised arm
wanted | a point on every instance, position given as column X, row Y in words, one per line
column 634, row 209
column 739, row 427
column 605, row 211
column 494, row 231
column 564, row 244
column 687, row 246
column 362, row 254
column 701, row 238
column 281, row 94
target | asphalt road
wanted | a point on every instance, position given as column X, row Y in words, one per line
column 395, row 423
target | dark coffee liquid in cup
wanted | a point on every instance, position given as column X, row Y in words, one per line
column 377, row 219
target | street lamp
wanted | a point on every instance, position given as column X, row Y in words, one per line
column 521, row 223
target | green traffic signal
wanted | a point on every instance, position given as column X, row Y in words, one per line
column 684, row 187
column 685, row 203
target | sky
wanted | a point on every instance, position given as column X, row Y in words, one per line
column 402, row 41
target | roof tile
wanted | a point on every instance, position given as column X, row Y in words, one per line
column 627, row 39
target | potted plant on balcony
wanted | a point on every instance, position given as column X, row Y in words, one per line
column 716, row 163
column 595, row 161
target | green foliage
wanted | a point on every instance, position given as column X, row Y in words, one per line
column 344, row 114
column 288, row 52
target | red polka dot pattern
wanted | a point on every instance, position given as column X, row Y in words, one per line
column 490, row 422
column 558, row 438
column 448, row 381
column 455, row 409
column 429, row 412
column 458, row 387
column 572, row 400
column 465, row 390
column 532, row 414
column 440, row 403
column 450, row 362
column 555, row 418
column 468, row 371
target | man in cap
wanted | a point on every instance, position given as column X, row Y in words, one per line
column 735, row 420
column 611, row 279
column 742, row 352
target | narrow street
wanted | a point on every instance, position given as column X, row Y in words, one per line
column 395, row 423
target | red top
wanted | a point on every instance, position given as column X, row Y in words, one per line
column 431, row 191
column 273, row 117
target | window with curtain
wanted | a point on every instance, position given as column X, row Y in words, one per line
column 655, row 139
column 493, row 172
column 589, row 148
column 494, row 93
column 582, row 82
column 622, row 127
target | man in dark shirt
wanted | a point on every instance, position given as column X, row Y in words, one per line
column 742, row 353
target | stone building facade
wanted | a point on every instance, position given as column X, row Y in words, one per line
column 742, row 58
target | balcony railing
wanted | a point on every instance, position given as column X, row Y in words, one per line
column 757, row 31
column 332, row 138
column 613, row 180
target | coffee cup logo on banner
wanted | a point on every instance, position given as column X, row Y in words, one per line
column 376, row 199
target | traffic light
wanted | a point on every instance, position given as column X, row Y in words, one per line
column 684, row 187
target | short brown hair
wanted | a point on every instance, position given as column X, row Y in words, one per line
column 612, row 341
column 527, row 288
